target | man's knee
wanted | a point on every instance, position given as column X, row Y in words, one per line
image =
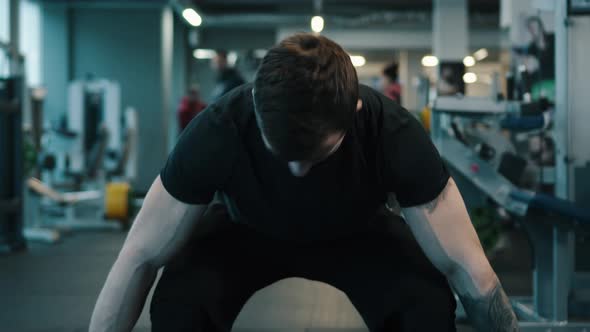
column 415, row 304
column 430, row 307
column 194, row 301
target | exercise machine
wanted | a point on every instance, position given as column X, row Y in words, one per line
column 85, row 167
column 11, row 154
column 111, row 205
column 94, row 110
column 550, row 222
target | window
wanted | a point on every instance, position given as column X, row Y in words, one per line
column 4, row 34
column 30, row 39
column 4, row 12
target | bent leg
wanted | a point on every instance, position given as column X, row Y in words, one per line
column 388, row 279
column 205, row 287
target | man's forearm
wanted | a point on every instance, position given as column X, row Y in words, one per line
column 444, row 230
column 122, row 298
column 162, row 228
column 491, row 312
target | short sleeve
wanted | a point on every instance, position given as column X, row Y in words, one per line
column 202, row 160
column 415, row 171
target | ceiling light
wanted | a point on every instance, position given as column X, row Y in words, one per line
column 201, row 53
column 192, row 17
column 469, row 61
column 260, row 53
column 317, row 24
column 429, row 61
column 480, row 54
column 469, row 78
column 358, row 60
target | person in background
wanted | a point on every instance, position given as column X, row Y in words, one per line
column 542, row 49
column 390, row 83
column 227, row 76
column 538, row 57
column 449, row 81
column 190, row 105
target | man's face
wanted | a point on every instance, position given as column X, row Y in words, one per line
column 219, row 62
column 534, row 29
column 384, row 82
column 330, row 145
column 193, row 94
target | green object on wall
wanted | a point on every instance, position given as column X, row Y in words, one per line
column 545, row 88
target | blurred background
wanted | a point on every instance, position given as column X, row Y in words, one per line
column 93, row 95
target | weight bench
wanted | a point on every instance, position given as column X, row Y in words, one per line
column 69, row 201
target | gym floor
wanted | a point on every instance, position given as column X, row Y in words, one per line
column 53, row 288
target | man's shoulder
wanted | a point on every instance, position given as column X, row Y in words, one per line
column 234, row 107
column 380, row 112
column 221, row 125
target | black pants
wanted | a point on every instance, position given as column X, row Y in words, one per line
column 383, row 272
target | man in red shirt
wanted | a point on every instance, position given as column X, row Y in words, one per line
column 190, row 106
column 390, row 84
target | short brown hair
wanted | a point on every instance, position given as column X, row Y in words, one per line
column 305, row 89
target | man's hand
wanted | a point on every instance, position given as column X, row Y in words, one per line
column 491, row 312
column 445, row 233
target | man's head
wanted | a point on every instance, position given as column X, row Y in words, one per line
column 535, row 26
column 219, row 62
column 390, row 72
column 194, row 92
column 305, row 95
column 389, row 76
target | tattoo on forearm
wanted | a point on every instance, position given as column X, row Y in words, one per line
column 430, row 206
column 491, row 313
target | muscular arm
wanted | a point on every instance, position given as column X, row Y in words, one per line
column 445, row 233
column 162, row 226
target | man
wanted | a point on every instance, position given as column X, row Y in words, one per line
column 390, row 83
column 303, row 159
column 227, row 77
column 190, row 106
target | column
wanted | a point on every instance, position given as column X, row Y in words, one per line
column 449, row 29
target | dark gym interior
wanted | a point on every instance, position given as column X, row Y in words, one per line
column 97, row 99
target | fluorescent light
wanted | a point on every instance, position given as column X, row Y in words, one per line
column 429, row 61
column 260, row 53
column 317, row 23
column 469, row 78
column 192, row 17
column 232, row 57
column 358, row 60
column 480, row 54
column 469, row 61
column 201, row 53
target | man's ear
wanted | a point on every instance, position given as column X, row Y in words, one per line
column 359, row 105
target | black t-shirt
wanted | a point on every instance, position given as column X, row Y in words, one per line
column 386, row 151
